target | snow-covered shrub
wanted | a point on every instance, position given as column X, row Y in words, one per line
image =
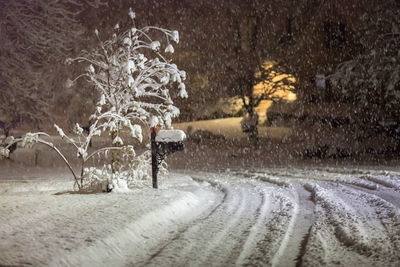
column 96, row 179
column 136, row 175
column 133, row 80
column 4, row 153
column 138, row 171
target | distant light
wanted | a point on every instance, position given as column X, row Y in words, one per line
column 291, row 96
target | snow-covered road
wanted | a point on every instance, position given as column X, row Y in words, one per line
column 278, row 217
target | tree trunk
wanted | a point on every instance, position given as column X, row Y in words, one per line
column 250, row 127
column 154, row 163
column 253, row 136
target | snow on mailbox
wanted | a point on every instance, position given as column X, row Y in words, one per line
column 170, row 136
column 163, row 143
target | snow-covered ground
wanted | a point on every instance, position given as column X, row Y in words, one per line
column 276, row 216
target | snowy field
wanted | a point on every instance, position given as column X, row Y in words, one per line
column 264, row 217
column 231, row 128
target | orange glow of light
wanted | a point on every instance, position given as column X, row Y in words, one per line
column 283, row 93
column 286, row 92
column 291, row 96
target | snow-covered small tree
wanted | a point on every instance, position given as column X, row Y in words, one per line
column 133, row 80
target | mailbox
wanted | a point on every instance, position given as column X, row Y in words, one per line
column 163, row 143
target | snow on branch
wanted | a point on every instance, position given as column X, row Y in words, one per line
column 133, row 77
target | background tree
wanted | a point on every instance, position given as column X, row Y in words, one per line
column 36, row 36
column 268, row 84
column 249, row 63
column 371, row 81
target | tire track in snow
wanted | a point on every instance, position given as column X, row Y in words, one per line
column 289, row 249
column 236, row 209
column 187, row 227
column 249, row 247
column 265, row 237
column 219, row 238
column 295, row 239
column 350, row 230
column 387, row 194
column 271, row 233
column 292, row 246
column 303, row 247
column 278, row 232
column 331, row 235
column 261, row 236
column 385, row 181
column 386, row 212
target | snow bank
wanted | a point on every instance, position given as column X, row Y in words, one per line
column 138, row 240
column 120, row 186
column 383, row 180
column 359, row 182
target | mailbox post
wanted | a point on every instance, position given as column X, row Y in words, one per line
column 163, row 143
column 154, row 164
